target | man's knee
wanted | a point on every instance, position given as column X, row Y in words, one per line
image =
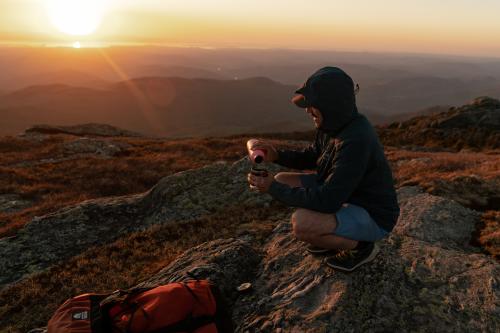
column 281, row 177
column 289, row 178
column 301, row 225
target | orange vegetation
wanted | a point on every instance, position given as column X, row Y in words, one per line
column 424, row 167
column 46, row 174
column 52, row 178
column 123, row 263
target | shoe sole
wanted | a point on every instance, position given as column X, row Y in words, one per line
column 364, row 261
column 322, row 251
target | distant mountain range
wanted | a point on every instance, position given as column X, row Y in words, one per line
column 159, row 106
column 173, row 107
column 391, row 84
column 472, row 126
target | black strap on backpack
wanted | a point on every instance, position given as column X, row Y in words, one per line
column 223, row 319
column 122, row 295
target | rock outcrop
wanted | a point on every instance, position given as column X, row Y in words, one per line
column 481, row 112
column 98, row 130
column 187, row 195
column 434, row 219
column 105, row 148
column 426, row 278
column 472, row 126
column 470, row 191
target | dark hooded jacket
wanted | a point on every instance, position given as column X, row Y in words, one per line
column 346, row 153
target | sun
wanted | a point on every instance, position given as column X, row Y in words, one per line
column 76, row 17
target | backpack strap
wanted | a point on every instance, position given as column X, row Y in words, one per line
column 123, row 295
column 184, row 284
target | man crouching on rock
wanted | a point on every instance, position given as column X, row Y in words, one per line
column 350, row 201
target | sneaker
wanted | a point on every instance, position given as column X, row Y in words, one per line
column 319, row 250
column 349, row 260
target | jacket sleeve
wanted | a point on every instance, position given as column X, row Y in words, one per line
column 349, row 166
column 304, row 159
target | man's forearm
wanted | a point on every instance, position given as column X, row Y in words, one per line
column 293, row 159
column 311, row 198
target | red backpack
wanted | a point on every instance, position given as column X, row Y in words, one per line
column 193, row 306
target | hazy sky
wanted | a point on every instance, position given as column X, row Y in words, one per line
column 424, row 26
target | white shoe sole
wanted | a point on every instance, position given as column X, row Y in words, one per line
column 372, row 256
column 319, row 251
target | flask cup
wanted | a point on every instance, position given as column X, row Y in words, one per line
column 257, row 172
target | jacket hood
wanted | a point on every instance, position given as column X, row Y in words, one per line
column 331, row 91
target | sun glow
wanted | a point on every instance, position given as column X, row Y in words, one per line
column 76, row 17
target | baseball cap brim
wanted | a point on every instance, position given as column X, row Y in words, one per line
column 300, row 101
column 303, row 98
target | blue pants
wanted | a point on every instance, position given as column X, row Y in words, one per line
column 353, row 221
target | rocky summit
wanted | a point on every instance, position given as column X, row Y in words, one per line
column 427, row 277
column 472, row 126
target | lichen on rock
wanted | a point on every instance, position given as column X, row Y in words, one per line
column 187, row 195
column 426, row 276
column 419, row 281
column 10, row 203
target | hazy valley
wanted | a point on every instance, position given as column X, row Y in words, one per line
column 171, row 92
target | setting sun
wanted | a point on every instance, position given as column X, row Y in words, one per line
column 76, row 17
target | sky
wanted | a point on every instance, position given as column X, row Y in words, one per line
column 460, row 27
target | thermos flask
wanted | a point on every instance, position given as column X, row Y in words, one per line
column 256, row 156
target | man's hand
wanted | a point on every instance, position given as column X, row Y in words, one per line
column 262, row 183
column 271, row 154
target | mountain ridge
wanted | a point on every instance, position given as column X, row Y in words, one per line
column 156, row 105
column 475, row 125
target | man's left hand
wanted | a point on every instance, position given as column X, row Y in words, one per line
column 262, row 183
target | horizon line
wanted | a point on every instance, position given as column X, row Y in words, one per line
column 107, row 45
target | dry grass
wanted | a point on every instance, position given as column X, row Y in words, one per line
column 412, row 168
column 65, row 178
column 63, row 181
column 429, row 170
column 124, row 263
column 487, row 235
column 55, row 184
column 456, row 139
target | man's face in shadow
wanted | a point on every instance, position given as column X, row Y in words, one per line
column 315, row 115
